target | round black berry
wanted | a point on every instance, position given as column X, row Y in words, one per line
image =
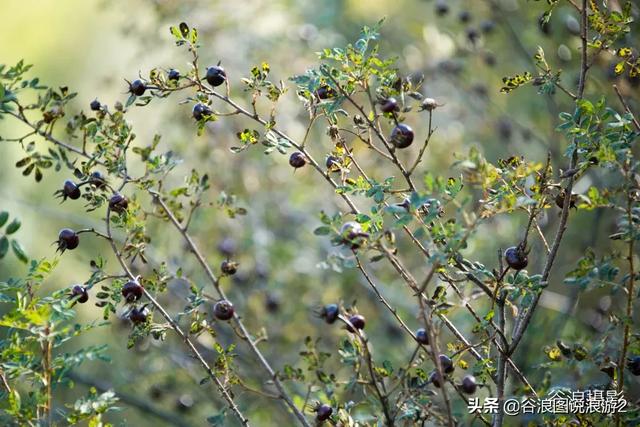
column 137, row 87
column 633, row 364
column 297, row 160
column 464, row 16
column 446, row 363
column 229, row 267
column 223, row 310
column 442, row 8
column 422, row 336
column 67, row 239
column 516, row 257
column 473, row 35
column 323, row 412
column 487, row 26
column 132, row 291
column 353, row 235
column 80, row 292
column 358, row 322
column 435, row 378
column 139, row 315
column 216, row 75
column 325, row 92
column 330, row 313
column 469, row 384
column 333, row 163
column 95, row 105
column 402, row 136
column 70, row 190
column 200, row 111
column 97, row 179
column 118, row 203
column 173, row 74
column 389, row 105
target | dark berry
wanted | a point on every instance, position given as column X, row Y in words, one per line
column 229, row 267
column 97, row 179
column 435, row 378
column 173, row 74
column 272, row 303
column 325, row 92
column 80, row 292
column 544, row 25
column 297, row 160
column 132, row 291
column 323, row 412
column 67, row 239
column 516, row 257
column 137, row 87
column 633, row 364
column 422, row 336
column 442, row 8
column 216, row 75
column 118, row 203
column 330, row 313
column 95, row 105
column 469, row 384
column 402, row 136
column 70, row 190
column 446, row 363
column 389, row 105
column 572, row 202
column 223, row 310
column 357, row 320
column 353, row 235
column 200, row 111
column 333, row 163
column 464, row 16
column 473, row 35
column 487, row 26
column 139, row 315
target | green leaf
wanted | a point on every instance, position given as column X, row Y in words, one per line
column 322, row 231
column 2, row 92
column 4, row 246
column 4, row 217
column 18, row 251
column 14, row 226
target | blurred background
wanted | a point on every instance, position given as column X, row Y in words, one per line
column 463, row 48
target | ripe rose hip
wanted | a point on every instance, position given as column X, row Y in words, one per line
column 139, row 315
column 469, row 384
column 216, row 75
column 67, row 239
column 95, row 105
column 435, row 378
column 325, row 92
column 173, row 74
column 516, row 257
column 402, row 136
column 357, row 321
column 389, row 105
column 132, row 291
column 330, row 313
column 229, row 267
column 118, row 203
column 323, row 412
column 353, row 235
column 200, row 111
column 297, row 160
column 422, row 336
column 81, row 292
column 446, row 363
column 332, row 163
column 223, row 310
column 98, row 180
column 137, row 87
column 71, row 190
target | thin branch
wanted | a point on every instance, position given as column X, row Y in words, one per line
column 626, row 107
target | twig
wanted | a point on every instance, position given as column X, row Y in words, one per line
column 626, row 107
